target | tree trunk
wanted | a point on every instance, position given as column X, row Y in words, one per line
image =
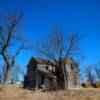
column 65, row 77
column 6, row 75
column 62, row 76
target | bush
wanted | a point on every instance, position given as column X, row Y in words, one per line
column 97, row 84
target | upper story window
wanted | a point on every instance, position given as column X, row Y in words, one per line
column 46, row 67
column 72, row 66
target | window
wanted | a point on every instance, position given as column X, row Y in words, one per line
column 46, row 67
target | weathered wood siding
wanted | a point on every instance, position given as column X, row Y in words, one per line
column 32, row 73
column 72, row 76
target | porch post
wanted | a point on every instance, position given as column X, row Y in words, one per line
column 37, row 79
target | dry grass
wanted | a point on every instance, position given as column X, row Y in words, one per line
column 13, row 92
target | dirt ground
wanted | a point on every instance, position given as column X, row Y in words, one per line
column 13, row 92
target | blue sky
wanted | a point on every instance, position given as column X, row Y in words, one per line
column 40, row 16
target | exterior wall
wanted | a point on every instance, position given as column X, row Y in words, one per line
column 49, row 83
column 35, row 75
column 44, row 66
column 72, row 76
column 73, row 80
column 40, row 80
column 32, row 74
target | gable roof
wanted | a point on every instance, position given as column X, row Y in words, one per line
column 70, row 60
column 33, row 60
column 40, row 60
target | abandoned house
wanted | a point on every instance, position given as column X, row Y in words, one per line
column 40, row 74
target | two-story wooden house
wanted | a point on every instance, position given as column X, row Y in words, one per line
column 40, row 74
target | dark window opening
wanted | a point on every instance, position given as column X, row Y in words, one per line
column 72, row 66
column 46, row 67
column 42, row 79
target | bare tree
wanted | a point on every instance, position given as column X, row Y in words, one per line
column 3, row 71
column 9, row 39
column 57, row 48
column 1, row 78
column 89, row 74
column 97, row 70
column 17, row 73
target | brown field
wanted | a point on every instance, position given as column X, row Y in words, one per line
column 13, row 92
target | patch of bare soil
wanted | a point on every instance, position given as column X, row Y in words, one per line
column 14, row 92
